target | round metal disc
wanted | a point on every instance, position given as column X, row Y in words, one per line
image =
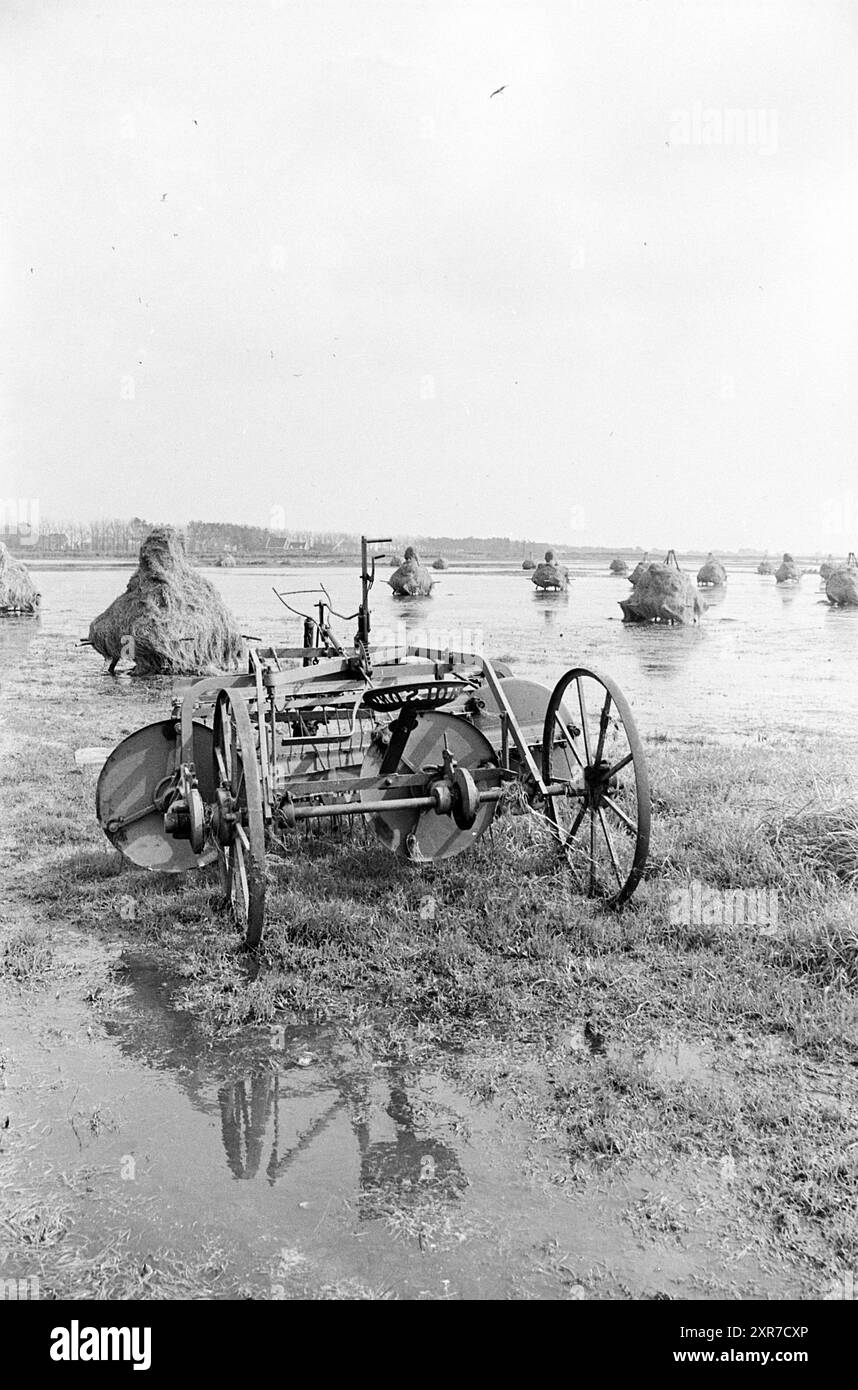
column 127, row 785
column 423, row 835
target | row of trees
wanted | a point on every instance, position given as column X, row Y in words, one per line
column 121, row 538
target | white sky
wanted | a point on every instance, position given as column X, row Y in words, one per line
column 379, row 299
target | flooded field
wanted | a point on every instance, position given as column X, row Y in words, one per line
column 517, row 1098
column 766, row 660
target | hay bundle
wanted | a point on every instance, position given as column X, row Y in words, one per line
column 766, row 567
column 639, row 570
column 411, row 579
column 712, row 572
column 787, row 571
column 663, row 594
column 549, row 575
column 841, row 587
column 528, row 564
column 618, row 566
column 439, row 564
column 177, row 620
column 18, row 593
column 226, row 562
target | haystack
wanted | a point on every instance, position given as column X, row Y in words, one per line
column 639, row 570
column 712, row 572
column 766, row 566
column 170, row 619
column 528, row 564
column 663, row 594
column 18, row 593
column 787, row 571
column 411, row 579
column 549, row 575
column 439, row 564
column 841, row 586
column 618, row 566
column 226, row 562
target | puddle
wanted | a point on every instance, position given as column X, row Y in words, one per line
column 308, row 1163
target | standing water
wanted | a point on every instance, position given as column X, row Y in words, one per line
column 765, row 659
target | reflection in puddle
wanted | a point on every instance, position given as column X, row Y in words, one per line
column 277, row 1101
column 259, row 1117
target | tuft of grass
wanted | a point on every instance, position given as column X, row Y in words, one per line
column 824, row 839
column 25, row 957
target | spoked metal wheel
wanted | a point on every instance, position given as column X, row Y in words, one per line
column 602, row 819
column 238, row 822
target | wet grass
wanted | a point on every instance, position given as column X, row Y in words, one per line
column 492, row 967
column 24, row 956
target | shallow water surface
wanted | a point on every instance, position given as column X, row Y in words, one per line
column 765, row 661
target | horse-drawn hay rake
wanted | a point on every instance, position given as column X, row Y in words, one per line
column 424, row 744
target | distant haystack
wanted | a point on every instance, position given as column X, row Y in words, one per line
column 171, row 620
column 618, row 566
column 827, row 567
column 18, row 593
column 226, row 562
column 766, row 566
column 439, row 564
column 841, row 586
column 787, row 571
column 549, row 575
column 663, row 594
column 411, row 579
column 712, row 573
column 528, row 564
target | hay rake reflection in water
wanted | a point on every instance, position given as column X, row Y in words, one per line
column 414, row 1160
column 423, row 743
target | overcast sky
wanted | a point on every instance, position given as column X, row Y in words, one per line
column 291, row 261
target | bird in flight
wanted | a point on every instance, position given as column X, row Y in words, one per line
column 497, row 91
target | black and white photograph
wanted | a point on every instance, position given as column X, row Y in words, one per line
column 428, row 663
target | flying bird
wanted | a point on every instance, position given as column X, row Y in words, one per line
column 497, row 91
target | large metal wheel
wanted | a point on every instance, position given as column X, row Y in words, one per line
column 238, row 821
column 133, row 790
column 423, row 836
column 602, row 819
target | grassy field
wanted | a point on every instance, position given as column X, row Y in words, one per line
column 718, row 1059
